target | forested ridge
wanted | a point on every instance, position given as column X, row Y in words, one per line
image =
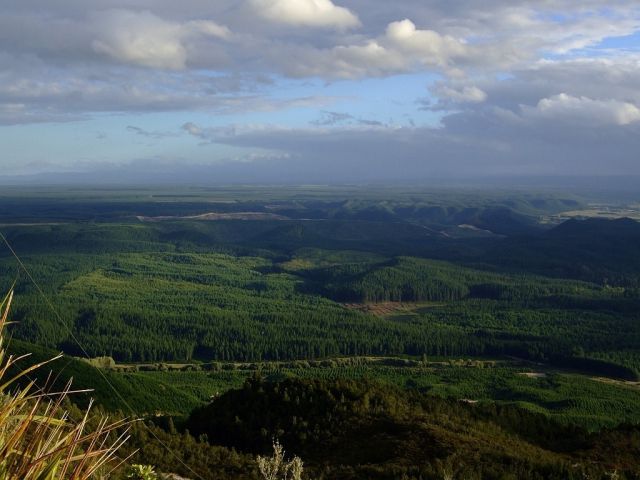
column 182, row 307
column 364, row 430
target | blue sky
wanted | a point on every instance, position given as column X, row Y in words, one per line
column 297, row 87
column 108, row 137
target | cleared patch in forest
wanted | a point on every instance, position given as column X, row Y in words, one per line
column 391, row 309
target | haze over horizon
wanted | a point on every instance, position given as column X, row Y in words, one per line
column 316, row 91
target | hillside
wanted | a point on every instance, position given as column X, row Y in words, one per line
column 364, row 430
column 136, row 391
column 599, row 250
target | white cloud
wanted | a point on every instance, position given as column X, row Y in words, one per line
column 402, row 48
column 583, row 110
column 456, row 94
column 142, row 38
column 428, row 47
column 306, row 13
column 207, row 27
column 458, row 39
column 31, row 93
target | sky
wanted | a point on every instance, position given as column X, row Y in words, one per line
column 318, row 91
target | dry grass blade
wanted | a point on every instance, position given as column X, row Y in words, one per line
column 37, row 439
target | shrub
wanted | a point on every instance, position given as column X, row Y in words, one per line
column 277, row 468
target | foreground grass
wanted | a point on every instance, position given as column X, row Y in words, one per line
column 38, row 440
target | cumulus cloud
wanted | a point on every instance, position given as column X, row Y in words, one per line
column 581, row 110
column 428, row 47
column 231, row 36
column 453, row 95
column 306, row 13
column 467, row 94
column 401, row 48
column 143, row 38
column 617, row 77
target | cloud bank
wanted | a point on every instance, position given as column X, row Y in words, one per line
column 510, row 86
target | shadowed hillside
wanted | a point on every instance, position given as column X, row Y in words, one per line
column 599, row 250
column 364, row 430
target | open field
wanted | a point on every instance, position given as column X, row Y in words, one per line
column 566, row 396
column 600, row 211
column 569, row 398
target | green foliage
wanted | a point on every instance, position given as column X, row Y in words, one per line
column 180, row 453
column 142, row 472
column 414, row 280
column 597, row 250
column 348, row 429
column 568, row 398
column 181, row 307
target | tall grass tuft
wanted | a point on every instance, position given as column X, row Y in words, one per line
column 38, row 440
